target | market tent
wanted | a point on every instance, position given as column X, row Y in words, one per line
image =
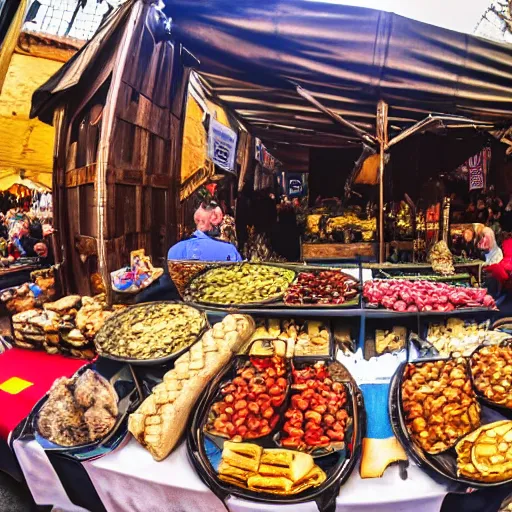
column 41, row 182
column 253, row 54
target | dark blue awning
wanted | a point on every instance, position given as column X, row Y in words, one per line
column 252, row 53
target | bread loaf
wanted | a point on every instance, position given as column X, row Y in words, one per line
column 161, row 419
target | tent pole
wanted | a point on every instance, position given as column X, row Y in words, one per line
column 369, row 139
column 382, row 137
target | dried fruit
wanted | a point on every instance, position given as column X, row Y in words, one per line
column 328, row 287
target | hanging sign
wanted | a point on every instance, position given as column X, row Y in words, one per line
column 222, row 145
column 262, row 156
column 476, row 168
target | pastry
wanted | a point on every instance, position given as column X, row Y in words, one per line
column 78, row 410
column 486, row 454
column 439, row 403
column 269, row 470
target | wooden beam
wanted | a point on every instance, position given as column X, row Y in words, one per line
column 46, row 46
column 370, row 139
column 9, row 42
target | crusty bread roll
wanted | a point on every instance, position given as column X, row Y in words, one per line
column 161, row 419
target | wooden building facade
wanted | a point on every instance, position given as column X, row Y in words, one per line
column 117, row 148
column 124, row 118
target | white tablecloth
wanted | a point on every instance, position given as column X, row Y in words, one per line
column 129, row 480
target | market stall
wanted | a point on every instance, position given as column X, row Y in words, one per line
column 298, row 333
column 26, row 216
column 268, row 386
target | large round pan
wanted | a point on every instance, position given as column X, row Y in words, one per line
column 337, row 465
column 152, row 361
column 124, row 385
column 445, row 463
column 506, row 411
column 191, row 299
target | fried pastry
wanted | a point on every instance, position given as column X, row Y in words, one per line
column 439, row 403
column 270, row 470
column 78, row 410
column 486, row 454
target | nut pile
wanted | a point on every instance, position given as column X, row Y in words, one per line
column 328, row 287
column 240, row 284
column 492, row 373
column 249, row 405
column 439, row 403
column 151, row 331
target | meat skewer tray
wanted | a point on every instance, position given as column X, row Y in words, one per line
column 205, row 451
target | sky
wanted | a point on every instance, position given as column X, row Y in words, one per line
column 459, row 15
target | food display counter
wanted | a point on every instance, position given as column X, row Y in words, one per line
column 283, row 402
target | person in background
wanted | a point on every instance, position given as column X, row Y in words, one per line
column 488, row 245
column 482, row 212
column 502, row 271
column 495, row 218
column 468, row 246
column 201, row 245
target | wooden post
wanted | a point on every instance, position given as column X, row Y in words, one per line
column 382, row 137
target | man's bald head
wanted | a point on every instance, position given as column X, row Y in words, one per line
column 206, row 219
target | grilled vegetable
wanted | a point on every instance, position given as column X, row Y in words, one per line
column 240, row 284
column 151, row 331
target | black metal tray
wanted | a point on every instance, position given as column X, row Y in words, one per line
column 123, row 381
column 506, row 411
column 338, row 465
column 270, row 300
column 156, row 361
column 445, row 463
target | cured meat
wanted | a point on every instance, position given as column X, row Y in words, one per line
column 401, row 295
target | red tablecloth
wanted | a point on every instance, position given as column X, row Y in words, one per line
column 38, row 368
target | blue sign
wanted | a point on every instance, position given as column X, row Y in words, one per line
column 222, row 145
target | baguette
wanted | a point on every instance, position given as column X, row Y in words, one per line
column 160, row 421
